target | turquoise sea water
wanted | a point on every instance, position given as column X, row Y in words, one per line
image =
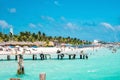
column 101, row 65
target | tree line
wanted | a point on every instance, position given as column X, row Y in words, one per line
column 39, row 36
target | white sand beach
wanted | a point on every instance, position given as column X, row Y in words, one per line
column 44, row 50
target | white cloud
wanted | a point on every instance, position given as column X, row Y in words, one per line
column 40, row 25
column 48, row 18
column 118, row 27
column 4, row 24
column 32, row 25
column 43, row 17
column 71, row 25
column 12, row 10
column 108, row 26
column 63, row 18
column 89, row 23
column 56, row 3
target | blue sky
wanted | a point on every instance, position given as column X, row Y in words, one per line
column 83, row 19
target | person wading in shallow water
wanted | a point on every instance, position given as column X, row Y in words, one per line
column 20, row 65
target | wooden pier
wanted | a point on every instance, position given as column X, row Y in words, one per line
column 42, row 56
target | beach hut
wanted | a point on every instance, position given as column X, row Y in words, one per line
column 51, row 43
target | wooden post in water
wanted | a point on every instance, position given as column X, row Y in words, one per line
column 14, row 79
column 86, row 56
column 62, row 55
column 8, row 57
column 42, row 56
column 58, row 56
column 81, row 56
column 20, row 65
column 15, row 57
column 33, row 57
column 69, row 56
column 42, row 76
column 74, row 56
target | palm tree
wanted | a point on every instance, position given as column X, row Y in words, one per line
column 39, row 34
column 1, row 37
